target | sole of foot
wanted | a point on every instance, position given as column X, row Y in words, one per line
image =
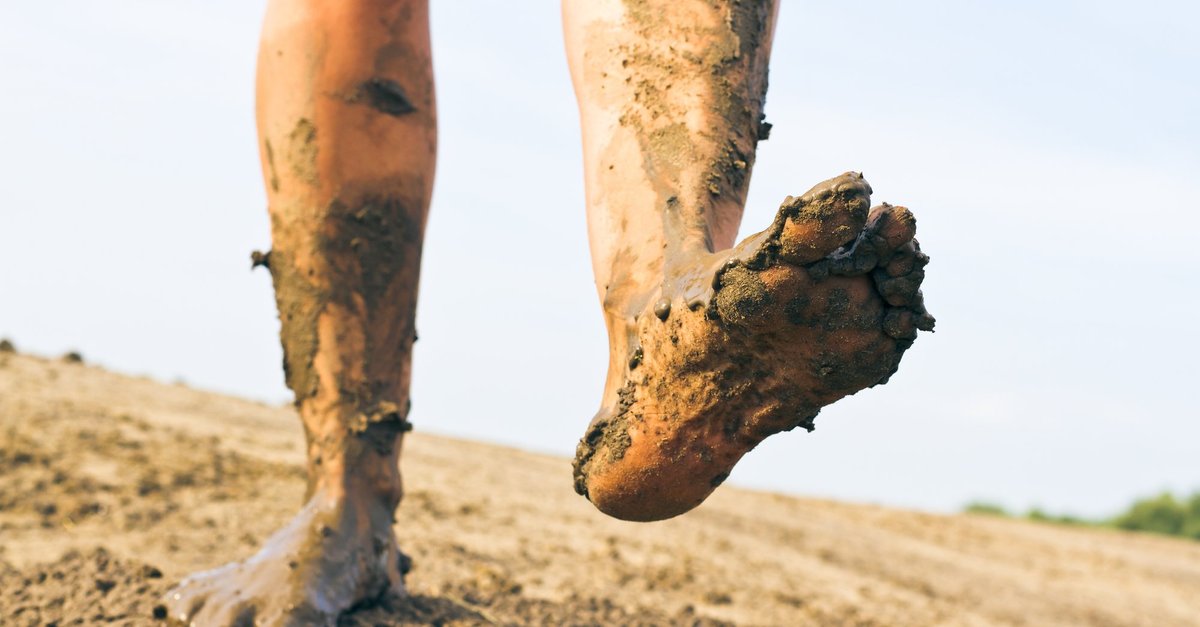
column 755, row 341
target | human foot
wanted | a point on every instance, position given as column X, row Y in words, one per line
column 331, row 556
column 750, row 342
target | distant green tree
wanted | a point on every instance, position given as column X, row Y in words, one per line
column 1161, row 514
column 985, row 508
column 1191, row 528
column 1037, row 514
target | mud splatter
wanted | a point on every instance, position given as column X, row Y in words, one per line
column 272, row 173
column 662, row 309
column 380, row 426
column 819, row 334
column 742, row 296
column 299, row 304
column 371, row 251
column 302, row 151
column 386, row 96
column 259, row 259
column 609, row 431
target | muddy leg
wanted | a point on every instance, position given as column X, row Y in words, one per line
column 714, row 347
column 347, row 135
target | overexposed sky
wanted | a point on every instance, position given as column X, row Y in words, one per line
column 1051, row 151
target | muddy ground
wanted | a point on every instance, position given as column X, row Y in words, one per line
column 112, row 488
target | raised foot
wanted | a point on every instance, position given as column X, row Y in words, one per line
column 332, row 556
column 753, row 341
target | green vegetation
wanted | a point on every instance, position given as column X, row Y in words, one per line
column 988, row 509
column 991, row 509
column 1163, row 514
column 1062, row 519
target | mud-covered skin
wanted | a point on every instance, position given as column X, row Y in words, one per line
column 347, row 126
column 713, row 346
column 671, row 97
column 817, row 307
column 329, row 557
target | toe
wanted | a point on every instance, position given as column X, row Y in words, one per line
column 900, row 324
column 891, row 233
column 890, row 227
column 826, row 217
column 899, row 279
column 902, row 291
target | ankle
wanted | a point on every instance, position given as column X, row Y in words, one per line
column 353, row 455
column 375, row 486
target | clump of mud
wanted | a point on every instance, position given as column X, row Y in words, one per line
column 82, row 588
column 483, row 605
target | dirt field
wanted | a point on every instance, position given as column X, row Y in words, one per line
column 112, row 488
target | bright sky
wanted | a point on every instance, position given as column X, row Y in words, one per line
column 1051, row 151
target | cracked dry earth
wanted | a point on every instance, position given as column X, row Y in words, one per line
column 112, row 488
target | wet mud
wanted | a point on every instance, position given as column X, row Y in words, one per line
column 762, row 346
column 363, row 270
column 299, row 304
column 608, row 432
column 345, row 283
column 742, row 296
column 259, row 259
column 727, row 72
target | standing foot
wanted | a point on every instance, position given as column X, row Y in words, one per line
column 752, row 341
column 333, row 555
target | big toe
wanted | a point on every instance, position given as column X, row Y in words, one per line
column 826, row 217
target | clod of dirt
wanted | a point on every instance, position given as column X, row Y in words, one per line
column 260, row 259
column 89, row 588
column 742, row 297
column 73, row 357
column 6, row 346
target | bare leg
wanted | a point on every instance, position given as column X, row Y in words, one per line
column 715, row 347
column 347, row 132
